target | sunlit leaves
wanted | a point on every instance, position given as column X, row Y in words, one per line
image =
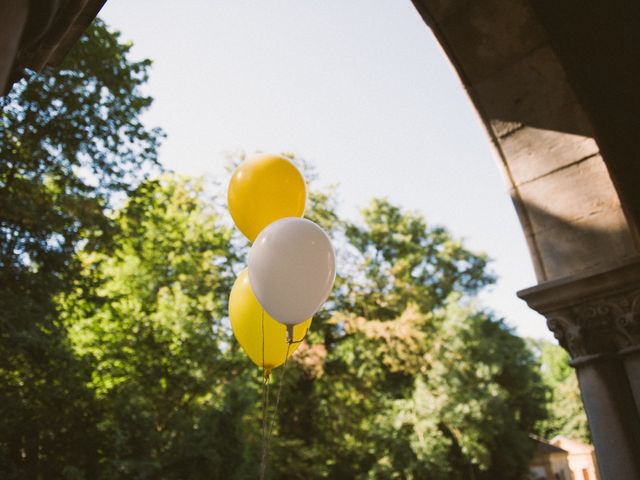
column 404, row 260
column 72, row 145
column 566, row 413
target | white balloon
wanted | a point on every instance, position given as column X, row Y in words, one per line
column 292, row 267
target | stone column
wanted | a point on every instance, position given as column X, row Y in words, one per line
column 595, row 317
column 628, row 325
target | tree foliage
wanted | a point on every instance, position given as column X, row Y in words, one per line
column 566, row 412
column 71, row 141
column 403, row 373
column 117, row 359
column 427, row 394
column 149, row 327
column 403, row 260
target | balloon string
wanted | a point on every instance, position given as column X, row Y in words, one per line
column 264, row 371
column 266, row 438
column 265, row 405
column 284, row 370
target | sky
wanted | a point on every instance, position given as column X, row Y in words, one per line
column 360, row 88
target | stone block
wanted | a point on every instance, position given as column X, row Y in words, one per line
column 532, row 152
column 566, row 195
column 584, row 244
column 502, row 128
column 573, row 219
column 532, row 91
column 476, row 36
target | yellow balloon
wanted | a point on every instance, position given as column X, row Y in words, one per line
column 246, row 313
column 264, row 189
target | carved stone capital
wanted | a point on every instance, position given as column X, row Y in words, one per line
column 628, row 324
column 592, row 314
column 603, row 325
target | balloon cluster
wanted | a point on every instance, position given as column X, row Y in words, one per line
column 291, row 263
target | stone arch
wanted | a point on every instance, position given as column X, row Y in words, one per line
column 555, row 87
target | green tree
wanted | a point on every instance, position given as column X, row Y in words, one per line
column 150, row 326
column 478, row 393
column 402, row 377
column 400, row 259
column 116, row 359
column 435, row 392
column 71, row 142
column 566, row 412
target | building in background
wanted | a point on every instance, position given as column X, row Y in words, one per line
column 549, row 463
column 581, row 457
column 563, row 458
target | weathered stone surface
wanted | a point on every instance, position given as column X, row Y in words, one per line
column 574, row 217
column 565, row 251
column 613, row 420
column 598, row 325
column 578, row 191
column 532, row 152
column 632, row 368
column 476, row 35
column 530, row 238
column 596, row 312
column 50, row 30
column 598, row 44
column 616, row 278
column 532, row 91
column 12, row 21
column 503, row 128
